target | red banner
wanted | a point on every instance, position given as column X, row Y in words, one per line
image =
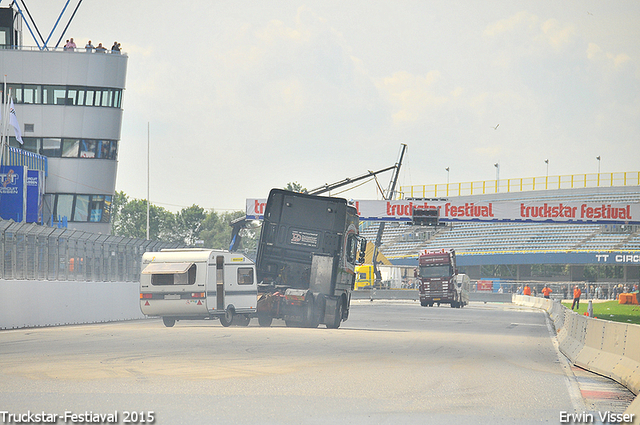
column 506, row 211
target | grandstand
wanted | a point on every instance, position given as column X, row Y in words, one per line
column 513, row 243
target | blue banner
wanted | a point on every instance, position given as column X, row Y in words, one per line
column 35, row 186
column 12, row 192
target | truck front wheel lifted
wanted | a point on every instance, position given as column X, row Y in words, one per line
column 337, row 318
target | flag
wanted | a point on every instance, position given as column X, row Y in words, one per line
column 13, row 120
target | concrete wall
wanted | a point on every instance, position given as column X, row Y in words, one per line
column 412, row 294
column 607, row 348
column 30, row 303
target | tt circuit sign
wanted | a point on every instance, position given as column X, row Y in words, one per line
column 507, row 211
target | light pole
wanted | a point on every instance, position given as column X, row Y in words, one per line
column 546, row 161
column 447, row 175
column 497, row 165
column 598, row 158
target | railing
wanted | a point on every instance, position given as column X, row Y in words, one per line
column 78, row 49
column 574, row 181
column 32, row 252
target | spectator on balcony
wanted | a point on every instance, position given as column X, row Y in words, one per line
column 101, row 48
column 89, row 47
column 70, row 46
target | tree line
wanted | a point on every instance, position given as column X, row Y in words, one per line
column 192, row 226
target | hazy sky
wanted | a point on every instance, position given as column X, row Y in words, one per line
column 243, row 96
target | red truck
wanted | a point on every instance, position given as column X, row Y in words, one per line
column 439, row 280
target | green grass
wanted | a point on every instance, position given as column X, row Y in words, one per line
column 610, row 310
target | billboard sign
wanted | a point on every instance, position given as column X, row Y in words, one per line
column 12, row 192
column 497, row 211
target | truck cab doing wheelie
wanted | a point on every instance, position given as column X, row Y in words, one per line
column 306, row 259
column 181, row 284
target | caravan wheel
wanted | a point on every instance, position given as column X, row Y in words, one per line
column 227, row 318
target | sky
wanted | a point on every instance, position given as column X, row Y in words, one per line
column 244, row 96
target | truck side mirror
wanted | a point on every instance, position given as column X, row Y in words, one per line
column 363, row 250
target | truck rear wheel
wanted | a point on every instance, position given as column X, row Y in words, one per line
column 311, row 319
column 168, row 321
column 264, row 320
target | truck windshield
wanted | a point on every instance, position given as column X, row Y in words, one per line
column 440, row 270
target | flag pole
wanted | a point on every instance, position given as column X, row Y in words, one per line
column 147, row 180
column 4, row 118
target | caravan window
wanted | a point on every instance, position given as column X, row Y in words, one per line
column 245, row 276
column 187, row 277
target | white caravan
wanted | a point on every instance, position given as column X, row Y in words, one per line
column 183, row 284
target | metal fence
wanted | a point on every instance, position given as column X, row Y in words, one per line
column 572, row 181
column 33, row 252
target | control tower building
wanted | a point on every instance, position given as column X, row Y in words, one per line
column 69, row 106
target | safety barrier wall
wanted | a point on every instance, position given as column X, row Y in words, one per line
column 412, row 294
column 607, row 348
column 31, row 303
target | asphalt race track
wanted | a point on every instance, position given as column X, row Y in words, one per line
column 392, row 362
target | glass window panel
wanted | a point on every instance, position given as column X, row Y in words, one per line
column 14, row 142
column 106, row 209
column 51, row 147
column 31, row 144
column 31, row 94
column 87, row 149
column 113, row 154
column 96, row 99
column 60, row 95
column 96, row 206
column 48, row 95
column 64, row 206
column 70, row 148
column 105, row 97
column 103, row 149
column 80, row 98
column 16, row 92
column 90, row 97
column 4, row 36
column 81, row 212
column 72, row 96
column 118, row 99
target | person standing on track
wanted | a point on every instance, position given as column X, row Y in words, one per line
column 527, row 290
column 576, row 298
column 546, row 291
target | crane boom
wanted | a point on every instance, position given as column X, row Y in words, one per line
column 328, row 187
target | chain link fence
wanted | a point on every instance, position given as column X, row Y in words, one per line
column 33, row 252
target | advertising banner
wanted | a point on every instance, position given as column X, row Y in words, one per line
column 506, row 211
column 12, row 192
column 35, row 190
